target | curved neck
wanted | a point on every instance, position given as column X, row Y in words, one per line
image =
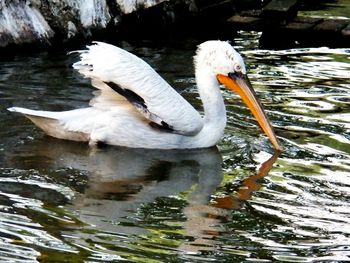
column 213, row 104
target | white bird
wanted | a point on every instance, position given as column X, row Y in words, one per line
column 137, row 108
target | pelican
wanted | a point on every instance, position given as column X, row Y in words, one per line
column 137, row 108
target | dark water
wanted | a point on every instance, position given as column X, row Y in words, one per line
column 64, row 202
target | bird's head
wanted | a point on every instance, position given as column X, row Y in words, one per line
column 220, row 60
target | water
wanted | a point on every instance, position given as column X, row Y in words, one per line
column 61, row 201
column 339, row 9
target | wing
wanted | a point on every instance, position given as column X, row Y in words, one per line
column 123, row 77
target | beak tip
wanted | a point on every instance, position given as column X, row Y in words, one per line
column 279, row 148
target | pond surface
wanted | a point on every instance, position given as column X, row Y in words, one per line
column 339, row 9
column 61, row 201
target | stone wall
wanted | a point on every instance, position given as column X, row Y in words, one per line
column 50, row 22
column 45, row 23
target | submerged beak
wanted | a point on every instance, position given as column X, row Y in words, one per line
column 240, row 84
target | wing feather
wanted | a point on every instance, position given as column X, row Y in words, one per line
column 123, row 77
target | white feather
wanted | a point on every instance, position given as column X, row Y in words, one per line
column 113, row 120
column 107, row 63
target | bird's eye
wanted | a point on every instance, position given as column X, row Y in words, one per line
column 238, row 68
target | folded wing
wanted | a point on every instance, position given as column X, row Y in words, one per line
column 123, row 78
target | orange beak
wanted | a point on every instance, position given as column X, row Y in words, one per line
column 240, row 84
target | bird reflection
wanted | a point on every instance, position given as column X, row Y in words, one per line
column 205, row 221
column 121, row 180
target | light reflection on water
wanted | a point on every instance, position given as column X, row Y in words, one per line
column 62, row 201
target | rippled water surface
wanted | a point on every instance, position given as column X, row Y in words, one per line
column 61, row 201
column 339, row 9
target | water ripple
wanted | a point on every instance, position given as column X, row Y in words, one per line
column 62, row 201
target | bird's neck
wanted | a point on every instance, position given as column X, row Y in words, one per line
column 213, row 103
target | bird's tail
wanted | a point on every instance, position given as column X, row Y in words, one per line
column 51, row 123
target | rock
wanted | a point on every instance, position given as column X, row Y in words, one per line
column 127, row 6
column 331, row 26
column 246, row 22
column 22, row 23
column 281, row 10
column 50, row 21
column 218, row 9
column 85, row 15
column 305, row 24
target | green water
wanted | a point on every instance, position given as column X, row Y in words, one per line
column 338, row 9
column 62, row 201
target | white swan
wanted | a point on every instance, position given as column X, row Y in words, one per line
column 137, row 108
